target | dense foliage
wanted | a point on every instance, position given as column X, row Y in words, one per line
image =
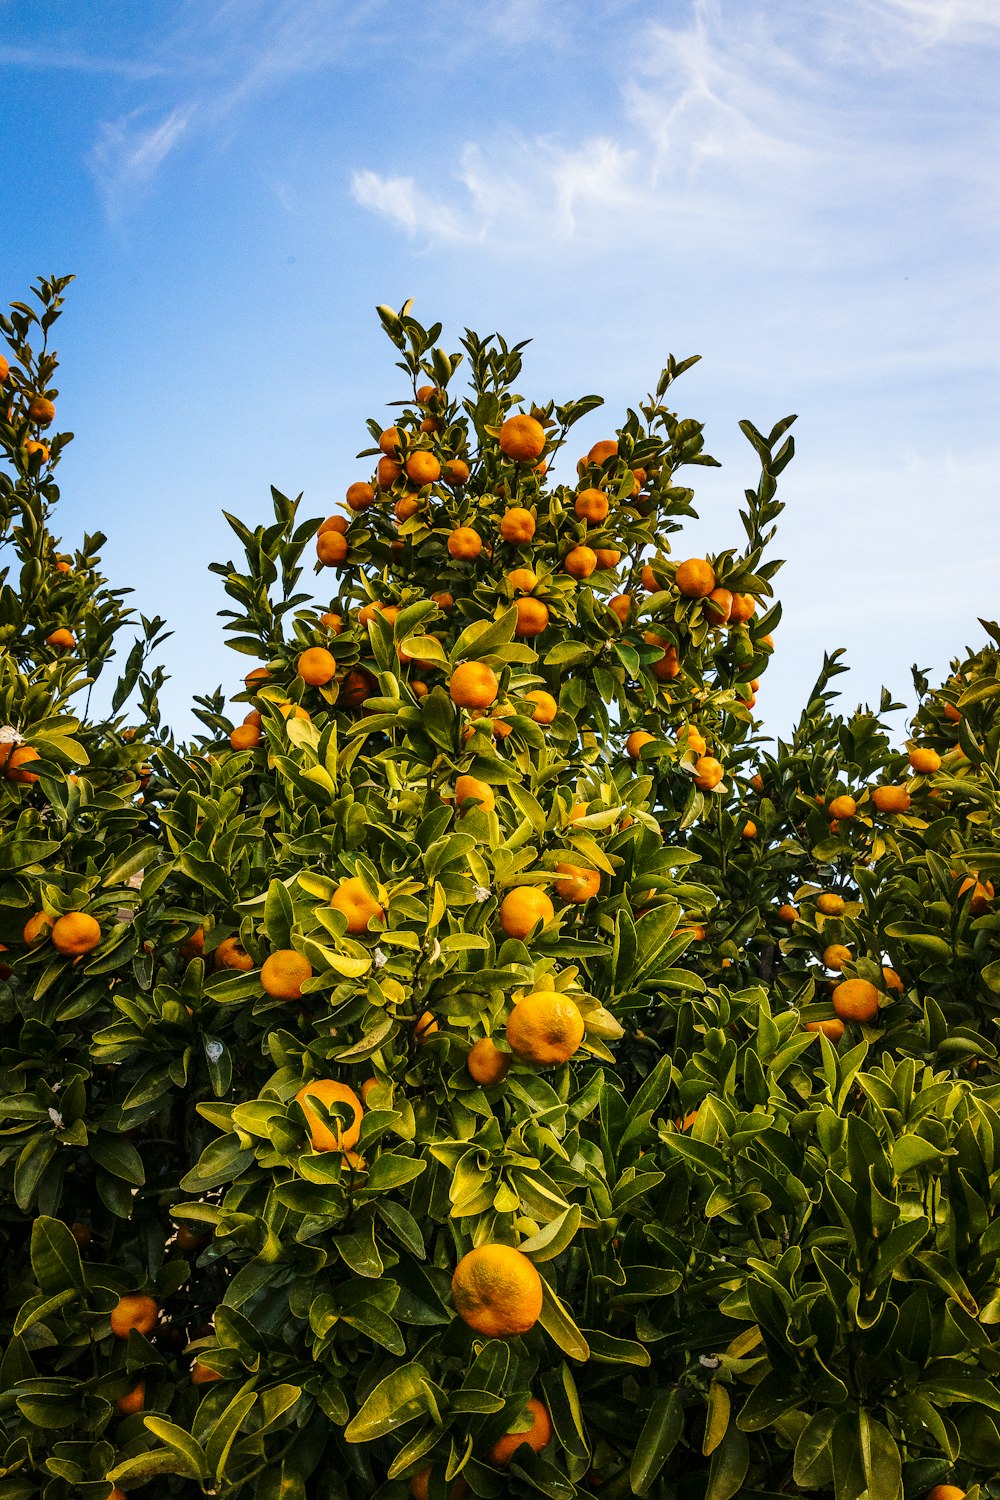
column 510, row 765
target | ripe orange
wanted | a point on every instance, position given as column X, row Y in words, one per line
column 37, row 926
column 194, row 946
column 522, row 907
column 842, row 808
column 749, row 830
column 231, row 954
column 497, row 1291
column 420, row 1486
column 580, row 562
column 245, row 737
column 464, row 544
column 836, row 955
column 636, row 740
column 951, row 713
column 257, row 676
column 742, row 609
column 830, row 904
column 602, row 451
column 32, row 446
column 387, row 473
column 75, row 933
column 891, row 799
column 718, row 606
column 649, row 580
column 357, row 685
column 41, row 411
column 352, row 898
column 470, row 791
column 134, row 1310
column 424, row 1027
column 522, row 580
column 695, row 579
column 537, row 1437
column 344, row 1135
column 15, row 760
column 292, row 711
column 607, row 557
column 455, row 472
column 945, row 1492
column 668, row 667
column 788, row 914
column 203, row 1374
column 522, row 438
column 532, row 617
column 443, row 600
column 316, row 666
column 4, row 368
column 517, row 525
column 545, row 706
column 473, row 685
column 621, row 605
column 331, row 548
column 893, row 981
column 924, row 761
column 486, row 1063
column 545, row 1029
column 359, row 496
column 591, row 506
column 833, row 1028
column 389, row 442
column 577, row 884
column 65, row 639
column 856, row 1000
column 422, row 468
column 334, row 523
column 334, row 623
column 283, row 973
column 133, row 1400
column 691, row 739
column 707, row 772
column 982, row 894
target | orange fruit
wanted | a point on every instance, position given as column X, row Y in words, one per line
column 405, row 507
column 607, row 557
column 4, row 368
column 668, row 667
column 842, row 808
column 545, row 1029
column 522, row 438
column 830, row 904
column 924, row 762
column 788, row 914
column 749, row 830
column 742, row 609
column 945, row 1492
column 951, row 713
column 425, row 1027
column 16, row 760
column 231, row 954
column 189, row 1239
column 359, row 496
column 37, row 926
column 602, row 451
column 420, row 1486
column 292, row 711
column 344, row 1134
column 334, row 523
column 331, row 548
column 464, row 544
column 357, row 685
column 486, row 1063
column 577, row 884
column 65, row 639
column 580, row 562
column 443, row 600
column 621, row 605
column 649, row 580
column 134, row 1310
column 245, row 737
column 532, row 617
column 522, row 907
column 891, row 799
column 316, row 666
column 718, row 606
column 455, row 472
column 203, row 1374
column 387, row 473
column 497, row 1291
column 470, row 791
column 522, row 580
column 41, row 411
column 695, row 579
column 76, row 933
column 133, row 1400
column 893, row 981
column 257, row 676
column 422, row 468
column 691, row 739
column 334, row 623
column 982, row 894
column 537, row 1437
column 32, row 446
column 832, row 1028
column 545, row 706
column 707, row 772
column 352, row 898
column 591, row 506
column 856, row 1000
column 389, row 442
column 283, row 973
column 636, row 740
column 517, row 525
column 836, row 955
column 473, row 685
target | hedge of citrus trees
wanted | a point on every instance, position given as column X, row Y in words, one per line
column 480, row 1064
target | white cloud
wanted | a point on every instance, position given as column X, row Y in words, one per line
column 129, row 152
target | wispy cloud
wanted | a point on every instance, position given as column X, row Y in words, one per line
column 130, row 151
column 70, row 60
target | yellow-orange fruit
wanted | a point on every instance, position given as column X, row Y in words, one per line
column 591, row 506
column 537, row 1436
column 464, row 544
column 545, row 1029
column 76, row 933
column 359, row 496
column 891, row 799
column 602, row 451
column 316, row 666
column 924, row 761
column 718, row 606
column 832, row 1028
column 231, row 954
column 473, row 685
column 836, row 955
column 517, row 525
column 544, row 707
column 326, row 1091
column 636, row 740
column 842, row 808
column 830, row 904
column 455, row 472
column 707, row 773
column 577, row 884
column 245, row 737
column 331, row 548
column 486, row 1063
column 856, row 1000
column 134, row 1310
column 283, row 973
column 695, row 578
column 497, row 1291
column 359, row 907
column 580, row 562
column 470, row 791
column 522, row 438
column 522, row 907
column 532, row 617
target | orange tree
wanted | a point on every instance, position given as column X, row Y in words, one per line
column 489, row 1068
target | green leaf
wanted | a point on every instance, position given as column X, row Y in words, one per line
column 191, row 1453
column 55, row 1256
column 560, row 1327
column 659, row 1437
column 880, row 1459
column 400, row 1398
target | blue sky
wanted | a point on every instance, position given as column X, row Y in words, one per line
column 805, row 192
